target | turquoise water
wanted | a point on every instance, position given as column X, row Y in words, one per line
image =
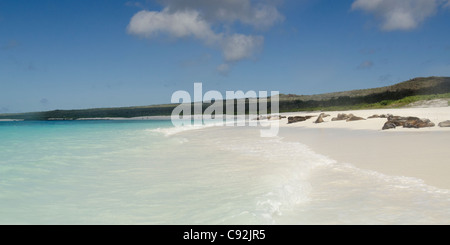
column 75, row 171
column 120, row 172
column 148, row 172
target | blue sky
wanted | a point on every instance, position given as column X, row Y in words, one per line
column 105, row 53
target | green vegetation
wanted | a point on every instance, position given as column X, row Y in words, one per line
column 126, row 112
column 408, row 100
column 418, row 86
column 386, row 97
column 394, row 96
column 378, row 105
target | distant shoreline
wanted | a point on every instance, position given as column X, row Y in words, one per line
column 395, row 96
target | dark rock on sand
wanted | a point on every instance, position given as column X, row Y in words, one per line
column 347, row 117
column 379, row 116
column 407, row 122
column 341, row 117
column 275, row 117
column 355, row 118
column 444, row 124
column 388, row 125
column 298, row 119
column 320, row 118
column 421, row 123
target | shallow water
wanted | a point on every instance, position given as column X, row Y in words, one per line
column 147, row 172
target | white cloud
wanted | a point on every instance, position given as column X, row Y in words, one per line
column 238, row 47
column 259, row 14
column 398, row 14
column 179, row 24
column 209, row 21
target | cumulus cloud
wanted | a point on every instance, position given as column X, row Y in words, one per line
column 238, row 46
column 210, row 21
column 399, row 14
column 179, row 24
column 260, row 14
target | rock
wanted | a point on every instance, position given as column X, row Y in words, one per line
column 341, row 117
column 444, row 124
column 421, row 123
column 401, row 121
column 347, row 117
column 320, row 118
column 379, row 116
column 385, row 116
column 270, row 117
column 407, row 122
column 388, row 125
column 355, row 118
column 298, row 119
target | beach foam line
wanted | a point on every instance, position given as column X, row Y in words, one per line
column 288, row 179
column 295, row 175
column 395, row 181
column 176, row 130
column 207, row 124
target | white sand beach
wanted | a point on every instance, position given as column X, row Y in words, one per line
column 421, row 153
column 339, row 172
column 436, row 115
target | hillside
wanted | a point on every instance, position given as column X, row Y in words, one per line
column 417, row 86
column 409, row 91
column 401, row 94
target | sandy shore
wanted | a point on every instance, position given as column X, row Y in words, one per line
column 11, row 120
column 436, row 115
column 420, row 153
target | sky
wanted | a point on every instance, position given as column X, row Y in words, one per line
column 75, row 54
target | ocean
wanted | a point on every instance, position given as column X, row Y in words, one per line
column 148, row 172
